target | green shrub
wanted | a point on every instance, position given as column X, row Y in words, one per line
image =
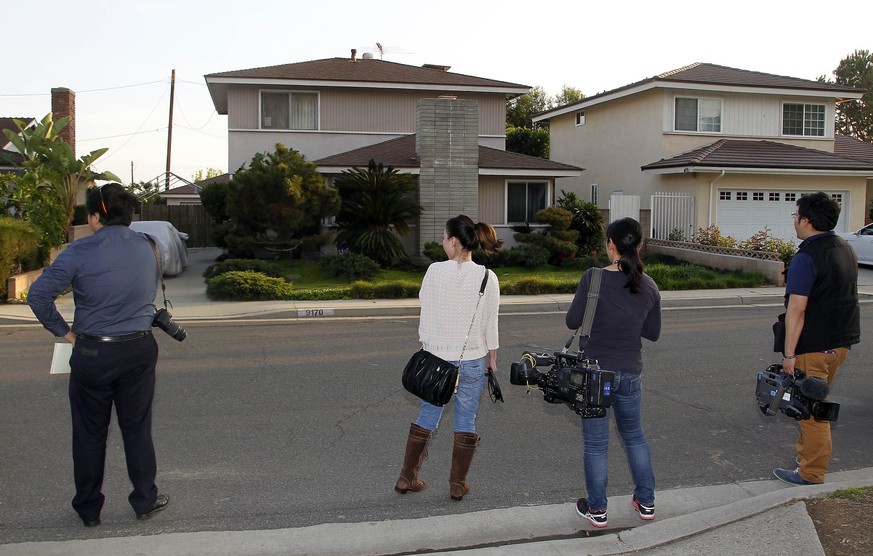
column 763, row 241
column 395, row 289
column 351, row 265
column 434, row 251
column 255, row 265
column 528, row 256
column 19, row 249
column 712, row 236
column 535, row 285
column 246, row 285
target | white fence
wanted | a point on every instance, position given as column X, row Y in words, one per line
column 673, row 213
column 622, row 206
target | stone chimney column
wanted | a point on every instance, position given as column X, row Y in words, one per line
column 64, row 104
column 447, row 144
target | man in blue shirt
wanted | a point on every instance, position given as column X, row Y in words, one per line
column 114, row 275
column 822, row 321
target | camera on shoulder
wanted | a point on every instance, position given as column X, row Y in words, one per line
column 798, row 396
column 164, row 320
column 572, row 379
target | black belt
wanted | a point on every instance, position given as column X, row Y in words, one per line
column 125, row 338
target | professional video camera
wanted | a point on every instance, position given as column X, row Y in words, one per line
column 573, row 379
column 798, row 396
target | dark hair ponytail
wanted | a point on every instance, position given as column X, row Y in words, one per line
column 472, row 235
column 627, row 236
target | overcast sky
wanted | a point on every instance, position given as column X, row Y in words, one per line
column 117, row 55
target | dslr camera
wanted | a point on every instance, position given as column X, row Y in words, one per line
column 164, row 320
column 798, row 396
column 572, row 379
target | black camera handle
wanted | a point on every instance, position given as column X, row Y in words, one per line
column 167, row 304
column 588, row 317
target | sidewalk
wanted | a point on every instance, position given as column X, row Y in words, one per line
column 740, row 518
column 749, row 518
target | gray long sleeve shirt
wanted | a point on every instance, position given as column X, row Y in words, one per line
column 114, row 276
column 621, row 321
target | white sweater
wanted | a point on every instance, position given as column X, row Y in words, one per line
column 448, row 297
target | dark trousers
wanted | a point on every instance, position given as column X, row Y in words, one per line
column 103, row 373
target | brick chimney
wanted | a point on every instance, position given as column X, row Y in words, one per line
column 64, row 104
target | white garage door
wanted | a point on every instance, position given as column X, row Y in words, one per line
column 741, row 213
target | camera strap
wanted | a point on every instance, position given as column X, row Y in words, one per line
column 160, row 269
column 590, row 308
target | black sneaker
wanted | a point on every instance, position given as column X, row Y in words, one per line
column 595, row 517
column 647, row 512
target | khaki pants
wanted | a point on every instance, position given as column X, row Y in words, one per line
column 814, row 443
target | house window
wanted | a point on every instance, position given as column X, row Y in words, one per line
column 580, row 117
column 698, row 114
column 289, row 110
column 803, row 119
column 594, row 188
column 524, row 199
column 774, row 196
column 791, row 197
column 742, row 195
column 757, row 195
column 724, row 195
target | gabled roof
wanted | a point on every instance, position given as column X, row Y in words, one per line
column 716, row 78
column 853, row 147
column 762, row 156
column 345, row 72
column 400, row 153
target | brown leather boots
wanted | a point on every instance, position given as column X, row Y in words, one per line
column 462, row 456
column 416, row 452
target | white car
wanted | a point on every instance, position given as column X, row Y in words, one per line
column 862, row 242
column 171, row 242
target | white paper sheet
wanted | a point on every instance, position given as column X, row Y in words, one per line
column 61, row 358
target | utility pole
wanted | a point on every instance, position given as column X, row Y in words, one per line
column 131, row 173
column 170, row 130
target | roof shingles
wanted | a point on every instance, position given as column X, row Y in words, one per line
column 729, row 153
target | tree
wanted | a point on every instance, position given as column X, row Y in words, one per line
column 521, row 137
column 524, row 140
column 587, row 220
column 855, row 118
column 521, row 109
column 201, row 175
column 568, row 95
column 52, row 173
column 376, row 206
column 276, row 202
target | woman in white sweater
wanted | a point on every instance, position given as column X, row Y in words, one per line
column 449, row 295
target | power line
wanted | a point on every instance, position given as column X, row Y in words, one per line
column 86, row 90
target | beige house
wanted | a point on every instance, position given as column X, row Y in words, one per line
column 446, row 128
column 707, row 144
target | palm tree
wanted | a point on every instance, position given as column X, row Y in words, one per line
column 377, row 204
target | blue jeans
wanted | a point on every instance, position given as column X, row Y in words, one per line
column 626, row 406
column 466, row 401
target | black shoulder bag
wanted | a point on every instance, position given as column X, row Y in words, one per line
column 432, row 378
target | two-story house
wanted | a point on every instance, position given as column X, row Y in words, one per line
column 707, row 144
column 446, row 128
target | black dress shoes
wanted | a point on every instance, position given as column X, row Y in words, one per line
column 91, row 522
column 159, row 505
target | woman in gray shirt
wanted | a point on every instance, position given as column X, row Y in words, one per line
column 629, row 309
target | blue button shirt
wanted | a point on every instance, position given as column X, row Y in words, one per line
column 801, row 271
column 114, row 276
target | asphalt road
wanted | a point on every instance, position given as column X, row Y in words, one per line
column 268, row 425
